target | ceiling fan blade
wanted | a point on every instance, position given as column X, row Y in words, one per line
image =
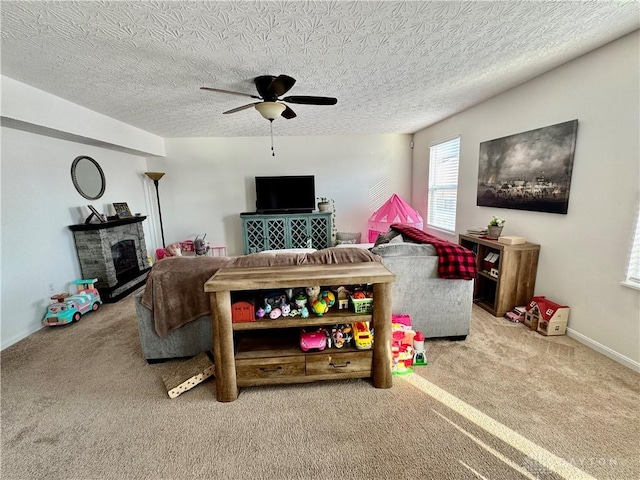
column 282, row 84
column 244, row 107
column 288, row 113
column 263, row 84
column 310, row 100
column 229, row 91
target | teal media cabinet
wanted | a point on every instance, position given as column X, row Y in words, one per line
column 277, row 231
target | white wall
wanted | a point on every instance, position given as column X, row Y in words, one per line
column 37, row 110
column 209, row 181
column 39, row 202
column 584, row 254
column 41, row 136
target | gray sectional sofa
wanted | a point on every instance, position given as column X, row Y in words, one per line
column 438, row 307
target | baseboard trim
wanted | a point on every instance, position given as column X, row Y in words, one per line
column 7, row 342
column 606, row 351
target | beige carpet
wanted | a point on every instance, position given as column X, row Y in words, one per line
column 79, row 402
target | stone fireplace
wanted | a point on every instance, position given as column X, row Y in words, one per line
column 115, row 253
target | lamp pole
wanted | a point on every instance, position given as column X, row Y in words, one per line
column 156, row 176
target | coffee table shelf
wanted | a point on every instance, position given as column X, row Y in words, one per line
column 266, row 363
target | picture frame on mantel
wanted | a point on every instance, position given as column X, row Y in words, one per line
column 122, row 210
column 95, row 213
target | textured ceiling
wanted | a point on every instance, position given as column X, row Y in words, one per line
column 395, row 67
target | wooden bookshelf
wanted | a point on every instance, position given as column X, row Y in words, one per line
column 514, row 279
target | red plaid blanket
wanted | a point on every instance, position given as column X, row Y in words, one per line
column 454, row 261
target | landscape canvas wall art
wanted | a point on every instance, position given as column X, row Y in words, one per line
column 529, row 170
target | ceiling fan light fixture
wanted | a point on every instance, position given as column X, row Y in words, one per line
column 270, row 110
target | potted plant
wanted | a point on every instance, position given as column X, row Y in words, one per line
column 494, row 229
column 324, row 204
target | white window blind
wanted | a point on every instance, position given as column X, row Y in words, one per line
column 633, row 273
column 443, row 184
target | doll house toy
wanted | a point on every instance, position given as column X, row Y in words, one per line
column 243, row 311
column 546, row 316
column 68, row 308
column 402, row 344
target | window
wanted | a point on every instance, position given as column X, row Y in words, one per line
column 443, row 184
column 633, row 273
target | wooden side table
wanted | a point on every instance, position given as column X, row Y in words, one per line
column 284, row 364
column 512, row 280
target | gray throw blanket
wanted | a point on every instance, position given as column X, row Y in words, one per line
column 175, row 293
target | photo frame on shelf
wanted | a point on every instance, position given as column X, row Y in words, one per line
column 122, row 210
column 95, row 213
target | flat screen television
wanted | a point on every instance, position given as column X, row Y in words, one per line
column 286, row 194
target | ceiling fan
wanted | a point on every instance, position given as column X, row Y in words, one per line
column 270, row 89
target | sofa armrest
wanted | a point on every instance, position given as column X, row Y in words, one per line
column 187, row 341
column 438, row 307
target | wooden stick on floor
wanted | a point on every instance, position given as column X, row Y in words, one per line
column 186, row 375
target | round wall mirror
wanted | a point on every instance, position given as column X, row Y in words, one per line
column 88, row 177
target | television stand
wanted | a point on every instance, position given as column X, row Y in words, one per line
column 273, row 231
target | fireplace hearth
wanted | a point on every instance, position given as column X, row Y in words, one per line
column 115, row 253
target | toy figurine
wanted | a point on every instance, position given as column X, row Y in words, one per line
column 286, row 309
column 341, row 335
column 267, row 309
column 174, row 250
column 304, row 312
column 312, row 293
column 260, row 313
column 201, row 246
column 301, row 300
column 275, row 313
column 419, row 352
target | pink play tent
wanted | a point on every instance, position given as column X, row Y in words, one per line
column 394, row 210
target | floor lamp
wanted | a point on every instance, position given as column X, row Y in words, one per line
column 155, row 176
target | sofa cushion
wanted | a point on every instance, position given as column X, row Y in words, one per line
column 343, row 238
column 290, row 250
column 342, row 255
column 386, row 237
column 405, row 249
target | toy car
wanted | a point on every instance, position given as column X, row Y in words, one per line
column 362, row 338
column 69, row 308
column 313, row 340
column 516, row 315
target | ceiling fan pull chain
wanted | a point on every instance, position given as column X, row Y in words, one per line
column 273, row 154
